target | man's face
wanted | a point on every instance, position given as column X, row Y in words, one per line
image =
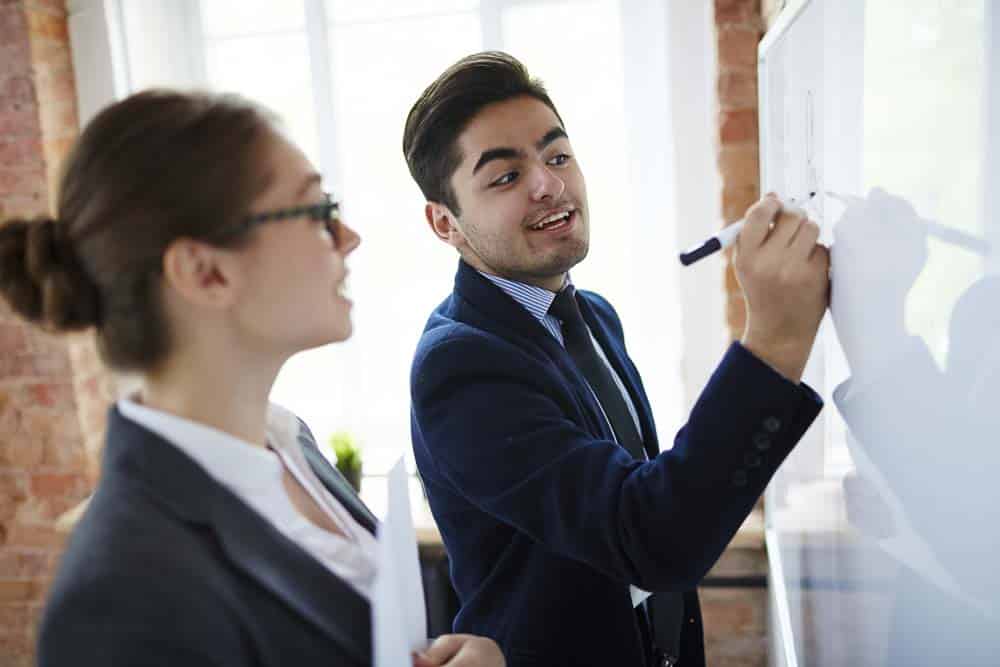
column 521, row 193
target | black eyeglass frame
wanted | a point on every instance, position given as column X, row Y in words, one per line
column 327, row 211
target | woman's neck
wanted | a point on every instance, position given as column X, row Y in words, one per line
column 226, row 392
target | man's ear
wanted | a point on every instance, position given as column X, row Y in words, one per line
column 201, row 274
column 443, row 223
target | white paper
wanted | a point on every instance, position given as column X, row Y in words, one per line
column 399, row 620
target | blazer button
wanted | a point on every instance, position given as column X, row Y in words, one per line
column 740, row 478
column 752, row 460
column 772, row 424
column 762, row 441
column 667, row 660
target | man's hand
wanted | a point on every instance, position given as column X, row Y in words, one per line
column 461, row 651
column 784, row 274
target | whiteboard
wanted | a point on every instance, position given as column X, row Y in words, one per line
column 883, row 525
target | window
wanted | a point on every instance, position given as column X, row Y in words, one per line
column 343, row 73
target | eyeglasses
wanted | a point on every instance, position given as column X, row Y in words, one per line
column 327, row 212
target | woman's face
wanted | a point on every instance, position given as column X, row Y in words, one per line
column 293, row 270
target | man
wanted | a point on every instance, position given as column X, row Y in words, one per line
column 531, row 429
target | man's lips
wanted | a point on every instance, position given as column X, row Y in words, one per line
column 554, row 220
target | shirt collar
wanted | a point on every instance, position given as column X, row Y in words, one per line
column 536, row 300
column 243, row 467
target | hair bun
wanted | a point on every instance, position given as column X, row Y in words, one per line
column 42, row 278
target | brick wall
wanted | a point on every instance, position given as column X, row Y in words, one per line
column 734, row 597
column 739, row 27
column 53, row 390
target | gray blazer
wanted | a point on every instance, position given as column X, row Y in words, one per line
column 168, row 567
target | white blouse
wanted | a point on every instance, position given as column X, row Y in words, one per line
column 256, row 474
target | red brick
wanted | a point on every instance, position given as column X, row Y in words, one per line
column 736, row 199
column 22, row 564
column 47, row 25
column 737, row 89
column 732, row 612
column 37, row 366
column 21, row 152
column 736, row 11
column 59, row 122
column 13, row 24
column 12, row 336
column 48, row 510
column 47, row 53
column 51, row 394
column 57, row 147
column 54, row 84
column 15, row 56
column 64, row 448
column 59, row 484
column 19, row 590
column 21, row 181
column 55, row 6
column 15, row 618
column 738, row 166
column 20, row 122
column 736, row 316
column 13, row 492
column 737, row 46
column 25, row 445
column 17, row 92
column 33, row 536
column 23, row 206
column 738, row 126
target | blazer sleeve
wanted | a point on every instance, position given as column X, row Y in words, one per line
column 494, row 422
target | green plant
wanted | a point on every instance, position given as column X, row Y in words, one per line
column 348, row 453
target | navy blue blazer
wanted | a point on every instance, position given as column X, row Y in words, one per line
column 546, row 520
column 168, row 567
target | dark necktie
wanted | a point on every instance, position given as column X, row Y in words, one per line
column 576, row 338
column 667, row 609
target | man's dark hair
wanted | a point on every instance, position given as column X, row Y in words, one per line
column 430, row 140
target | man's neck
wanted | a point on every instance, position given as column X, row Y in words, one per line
column 551, row 283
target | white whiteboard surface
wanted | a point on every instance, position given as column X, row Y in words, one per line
column 884, row 524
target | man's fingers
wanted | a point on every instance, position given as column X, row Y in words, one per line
column 805, row 239
column 420, row 660
column 786, row 227
column 820, row 254
column 444, row 648
column 758, row 222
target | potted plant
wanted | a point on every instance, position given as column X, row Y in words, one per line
column 348, row 454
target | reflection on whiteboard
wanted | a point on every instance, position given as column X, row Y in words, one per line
column 893, row 500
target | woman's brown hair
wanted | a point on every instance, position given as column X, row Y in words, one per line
column 157, row 166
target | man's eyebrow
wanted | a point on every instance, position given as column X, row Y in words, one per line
column 506, row 153
column 496, row 154
column 550, row 136
column 311, row 180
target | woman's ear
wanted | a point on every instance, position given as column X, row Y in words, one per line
column 201, row 274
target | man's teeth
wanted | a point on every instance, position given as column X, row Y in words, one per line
column 555, row 217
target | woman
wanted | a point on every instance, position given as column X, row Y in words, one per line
column 200, row 245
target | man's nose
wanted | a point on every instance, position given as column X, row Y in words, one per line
column 547, row 184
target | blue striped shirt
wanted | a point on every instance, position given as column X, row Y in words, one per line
column 537, row 301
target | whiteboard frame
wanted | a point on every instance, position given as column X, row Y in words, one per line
column 778, row 590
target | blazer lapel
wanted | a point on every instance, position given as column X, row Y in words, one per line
column 250, row 542
column 335, row 482
column 499, row 313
